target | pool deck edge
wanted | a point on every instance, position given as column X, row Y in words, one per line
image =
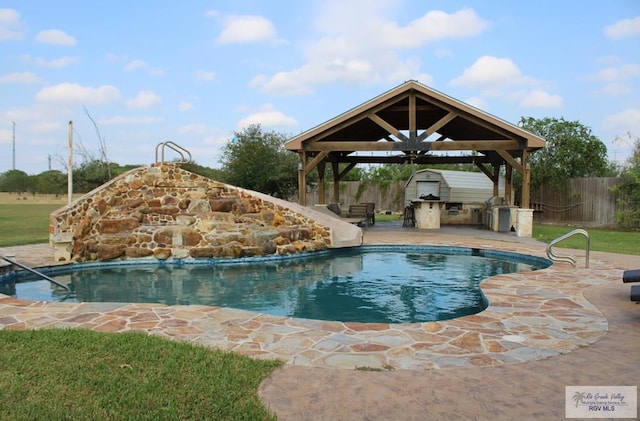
column 531, row 316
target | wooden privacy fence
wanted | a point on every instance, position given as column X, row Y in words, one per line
column 390, row 198
column 582, row 201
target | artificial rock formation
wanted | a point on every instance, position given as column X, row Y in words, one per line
column 165, row 212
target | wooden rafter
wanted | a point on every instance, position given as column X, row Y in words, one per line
column 510, row 159
column 314, row 162
column 437, row 125
column 459, row 145
column 388, row 127
column 400, row 121
column 484, row 169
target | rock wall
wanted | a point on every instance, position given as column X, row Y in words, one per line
column 164, row 212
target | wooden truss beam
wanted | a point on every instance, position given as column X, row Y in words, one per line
column 457, row 145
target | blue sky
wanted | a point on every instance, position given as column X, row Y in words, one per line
column 194, row 72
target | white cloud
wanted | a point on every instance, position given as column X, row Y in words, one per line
column 267, row 117
column 135, row 65
column 246, row 29
column 23, row 77
column 58, row 63
column 615, row 89
column 617, row 79
column 443, row 53
column 541, row 99
column 72, row 93
column 185, row 106
column 477, row 102
column 625, row 121
column 623, row 28
column 144, row 99
column 39, row 112
column 205, row 75
column 157, row 72
column 502, row 78
column 613, row 74
column 43, row 127
column 192, row 129
column 130, row 120
column 6, row 136
column 434, row 25
column 488, row 71
column 112, row 58
column 282, row 83
column 11, row 27
column 373, row 50
column 55, row 37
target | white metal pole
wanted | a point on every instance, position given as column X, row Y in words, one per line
column 70, row 165
column 14, row 144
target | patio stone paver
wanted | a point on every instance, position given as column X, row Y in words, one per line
column 545, row 330
column 530, row 316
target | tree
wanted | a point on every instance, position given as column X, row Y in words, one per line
column 91, row 174
column 628, row 209
column 15, row 181
column 51, row 182
column 572, row 151
column 258, row 161
column 212, row 173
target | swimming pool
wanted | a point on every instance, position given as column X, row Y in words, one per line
column 383, row 284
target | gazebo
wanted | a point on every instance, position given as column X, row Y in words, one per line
column 415, row 124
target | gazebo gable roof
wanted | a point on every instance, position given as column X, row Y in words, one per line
column 422, row 112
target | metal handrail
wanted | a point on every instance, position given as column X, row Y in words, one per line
column 569, row 259
column 172, row 145
column 40, row 274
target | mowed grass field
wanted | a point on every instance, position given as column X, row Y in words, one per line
column 24, row 219
column 114, row 376
column 600, row 239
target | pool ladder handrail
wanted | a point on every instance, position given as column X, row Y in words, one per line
column 174, row 146
column 569, row 259
column 35, row 272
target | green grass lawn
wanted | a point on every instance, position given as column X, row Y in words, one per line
column 78, row 374
column 601, row 239
column 84, row 375
column 24, row 223
column 56, row 374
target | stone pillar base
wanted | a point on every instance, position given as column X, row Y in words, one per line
column 524, row 226
column 62, row 245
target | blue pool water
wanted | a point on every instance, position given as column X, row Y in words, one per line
column 383, row 284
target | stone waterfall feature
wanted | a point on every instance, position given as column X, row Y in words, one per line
column 165, row 212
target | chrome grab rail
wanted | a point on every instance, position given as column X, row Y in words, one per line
column 35, row 272
column 172, row 145
column 569, row 259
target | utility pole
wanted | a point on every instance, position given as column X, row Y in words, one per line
column 14, row 144
column 70, row 170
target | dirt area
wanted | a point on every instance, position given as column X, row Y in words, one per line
column 26, row 198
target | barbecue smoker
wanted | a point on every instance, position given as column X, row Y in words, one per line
column 497, row 214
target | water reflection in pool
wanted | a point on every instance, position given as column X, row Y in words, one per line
column 364, row 285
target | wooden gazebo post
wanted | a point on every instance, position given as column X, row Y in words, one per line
column 321, row 167
column 526, row 180
column 401, row 123
column 336, row 182
column 508, row 182
column 302, row 179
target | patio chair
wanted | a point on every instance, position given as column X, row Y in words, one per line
column 632, row 276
